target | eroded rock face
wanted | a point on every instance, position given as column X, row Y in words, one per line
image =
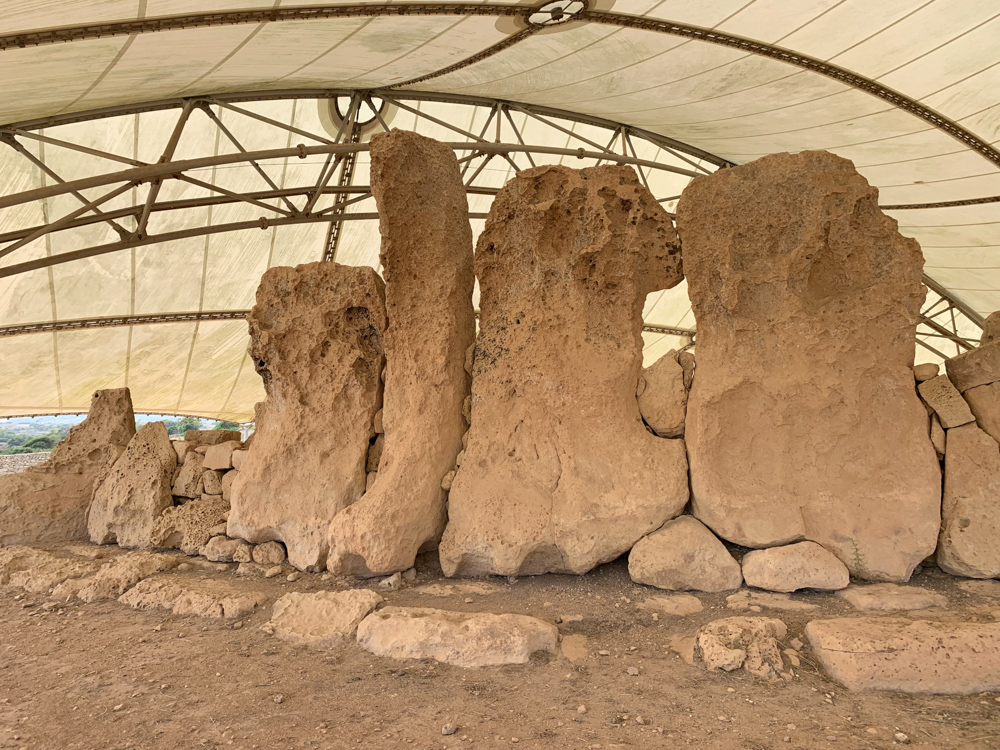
column 805, row 565
column 970, row 522
column 189, row 527
column 203, row 598
column 951, row 658
column 979, row 366
column 316, row 340
column 803, row 422
column 466, row 639
column 984, row 401
column 684, row 556
column 48, row 502
column 135, row 494
column 946, row 401
column 564, row 266
column 427, row 265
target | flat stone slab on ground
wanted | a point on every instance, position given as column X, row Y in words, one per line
column 674, row 604
column 757, row 600
column 38, row 571
column 950, row 658
column 119, row 575
column 887, row 597
column 322, row 620
column 203, row 598
column 478, row 639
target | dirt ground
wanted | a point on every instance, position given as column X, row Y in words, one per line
column 109, row 677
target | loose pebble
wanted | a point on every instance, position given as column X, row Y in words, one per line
column 448, row 729
column 901, row 738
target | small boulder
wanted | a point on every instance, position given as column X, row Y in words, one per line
column 220, row 456
column 925, row 371
column 208, row 598
column 221, row 548
column 946, row 401
column 887, row 597
column 269, row 554
column 190, row 482
column 181, row 447
column 211, row 482
column 663, row 399
column 748, row 642
column 805, row 565
column 243, row 553
column 227, row 485
column 948, row 658
column 979, row 366
column 459, row 638
column 683, row 555
column 239, row 456
column 321, row 620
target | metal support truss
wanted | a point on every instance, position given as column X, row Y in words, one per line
column 947, row 326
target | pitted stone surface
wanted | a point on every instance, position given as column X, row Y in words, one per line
column 465, row 639
column 188, row 527
column 564, row 265
column 206, row 598
column 803, row 421
column 805, row 565
column 946, row 401
column 427, row 265
column 663, row 397
column 316, row 340
column 135, row 494
column 48, row 502
column 684, row 556
column 190, row 481
column 323, row 619
column 970, row 511
column 747, row 642
column 119, row 575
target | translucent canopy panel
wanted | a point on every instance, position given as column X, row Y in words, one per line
column 158, row 156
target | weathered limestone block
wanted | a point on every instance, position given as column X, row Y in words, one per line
column 984, row 401
column 684, row 556
column 970, row 523
column 663, row 397
column 991, row 328
column 427, row 264
column 925, row 371
column 210, row 437
column 205, row 598
column 211, row 482
column 803, row 422
column 188, row 527
column 949, row 658
column 979, row 366
column 238, row 457
column 181, row 447
column 269, row 554
column 805, row 565
column 560, row 474
column 119, row 575
column 321, row 620
column 219, row 457
column 48, row 502
column 221, row 548
column 946, row 402
column 938, row 438
column 465, row 639
column 888, row 597
column 316, row 340
column 227, row 485
column 137, row 491
column 190, row 482
column 747, row 642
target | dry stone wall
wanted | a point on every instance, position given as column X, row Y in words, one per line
column 803, row 422
column 564, row 266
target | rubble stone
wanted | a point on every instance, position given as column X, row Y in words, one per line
column 137, row 491
column 803, row 421
column 321, row 620
column 119, row 575
column 316, row 340
column 748, row 642
column 684, row 556
column 204, row 598
column 984, row 402
column 946, row 402
column 663, row 401
column 48, row 502
column 269, row 554
column 427, row 264
column 888, row 597
column 210, row 437
column 191, row 481
column 464, row 639
column 970, row 511
column 564, row 265
column 947, row 658
column 212, row 482
column 925, row 371
column 805, row 565
column 220, row 455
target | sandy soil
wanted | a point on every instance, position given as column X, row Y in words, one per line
column 105, row 676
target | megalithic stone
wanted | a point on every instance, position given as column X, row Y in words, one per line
column 803, row 421
column 427, row 263
column 560, row 475
column 316, row 340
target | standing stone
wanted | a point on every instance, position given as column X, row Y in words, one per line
column 427, row 265
column 316, row 340
column 803, row 422
column 663, row 397
column 48, row 502
column 946, row 402
column 560, row 474
column 970, row 523
column 984, row 401
column 684, row 556
column 805, row 565
column 131, row 499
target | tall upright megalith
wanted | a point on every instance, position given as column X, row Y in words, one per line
column 48, row 502
column 803, row 422
column 316, row 340
column 427, row 264
column 560, row 474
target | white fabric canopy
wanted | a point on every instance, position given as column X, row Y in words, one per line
column 907, row 89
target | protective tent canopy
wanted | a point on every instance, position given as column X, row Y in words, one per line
column 148, row 290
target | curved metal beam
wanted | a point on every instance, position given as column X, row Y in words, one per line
column 113, row 321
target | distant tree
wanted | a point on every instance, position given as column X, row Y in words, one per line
column 42, row 443
column 182, row 425
column 226, row 426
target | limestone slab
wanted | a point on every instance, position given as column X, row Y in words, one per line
column 205, row 598
column 427, row 264
column 564, row 266
column 321, row 620
column 950, row 658
column 119, row 575
column 684, row 555
column 805, row 565
column 460, row 638
column 979, row 366
column 946, row 401
column 888, row 597
column 190, row 482
column 316, row 341
column 803, row 422
column 984, row 402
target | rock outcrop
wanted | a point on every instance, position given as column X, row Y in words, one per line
column 663, row 396
column 465, row 639
column 560, row 474
column 803, row 422
column 427, row 265
column 136, row 492
column 950, row 658
column 48, row 502
column 684, row 556
column 805, row 565
column 316, row 340
column 970, row 522
column 323, row 619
